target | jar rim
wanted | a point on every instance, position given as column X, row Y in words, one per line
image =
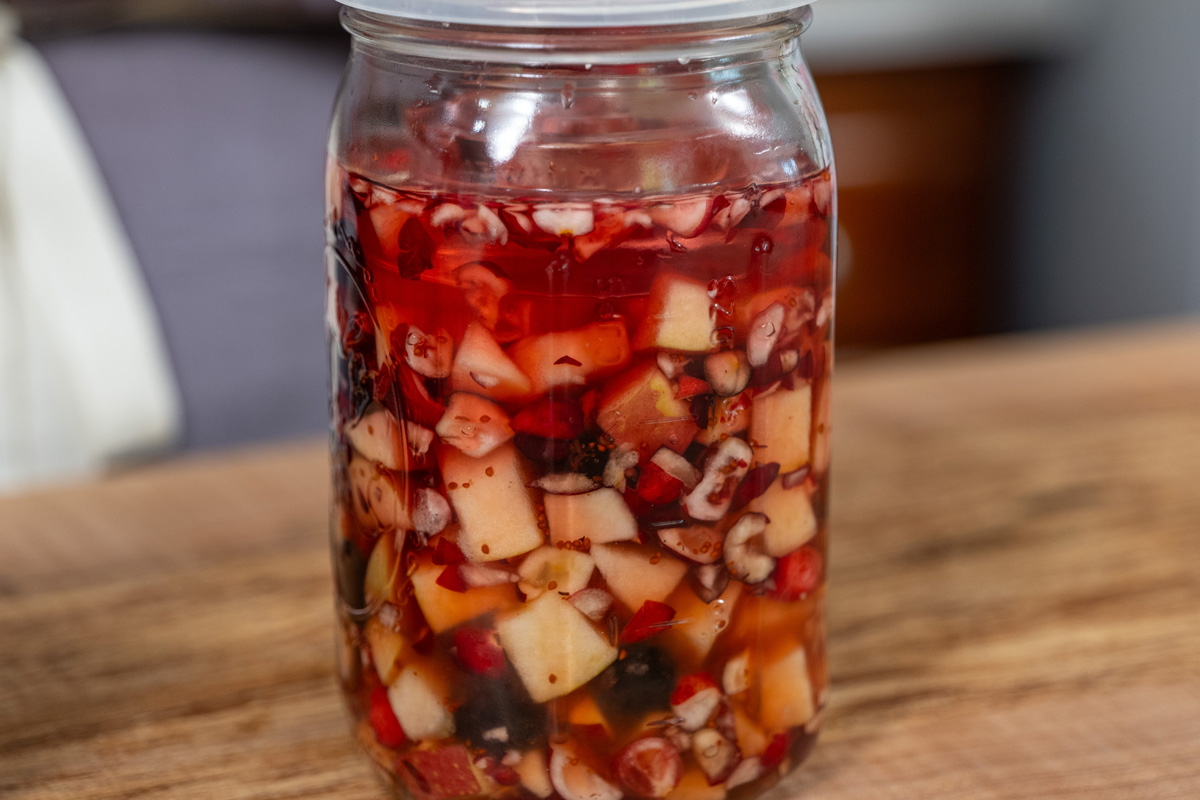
column 575, row 13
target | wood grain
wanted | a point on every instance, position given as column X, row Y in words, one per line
column 1014, row 611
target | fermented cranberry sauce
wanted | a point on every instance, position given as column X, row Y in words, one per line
column 580, row 453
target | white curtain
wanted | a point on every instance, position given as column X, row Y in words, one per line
column 84, row 375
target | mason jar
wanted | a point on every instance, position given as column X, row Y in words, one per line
column 580, row 275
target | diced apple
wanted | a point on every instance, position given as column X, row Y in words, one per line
column 638, row 409
column 731, row 416
column 678, row 317
column 496, row 515
column 535, row 773
column 822, row 429
column 600, row 516
column 735, row 678
column 383, row 569
column 751, row 738
column 684, row 218
column 592, row 603
column 584, row 712
column 792, row 521
column 705, row 621
column 428, row 354
column 388, row 649
column 473, row 424
column 798, row 307
column 481, row 367
column 564, row 483
column 636, row 573
column 420, row 697
column 780, row 422
column 565, row 219
column 560, row 570
column 787, row 696
column 553, row 647
column 572, row 358
column 483, row 287
column 379, row 437
column 444, row 609
column 694, row 786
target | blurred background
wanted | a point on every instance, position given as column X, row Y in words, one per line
column 1004, row 165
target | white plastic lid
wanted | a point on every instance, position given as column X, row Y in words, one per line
column 575, row 13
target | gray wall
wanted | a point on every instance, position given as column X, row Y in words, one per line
column 1108, row 192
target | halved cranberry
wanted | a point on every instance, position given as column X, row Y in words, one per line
column 776, row 750
column 650, row 619
column 797, row 574
column 757, row 481
column 690, row 387
column 477, row 650
column 451, row 578
column 550, row 418
column 383, row 719
column 649, row 767
column 446, row 552
column 657, row 487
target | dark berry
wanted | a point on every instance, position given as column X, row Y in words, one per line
column 498, row 716
column 640, row 682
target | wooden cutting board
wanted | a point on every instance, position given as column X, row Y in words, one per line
column 1014, row 609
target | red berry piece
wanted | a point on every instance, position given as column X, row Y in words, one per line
column 478, row 651
column 649, row 767
column 650, row 619
column 452, row 579
column 446, row 552
column 690, row 387
column 657, row 487
column 776, row 750
column 383, row 719
column 797, row 574
column 757, row 481
column 550, row 418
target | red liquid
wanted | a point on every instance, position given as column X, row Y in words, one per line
column 581, row 456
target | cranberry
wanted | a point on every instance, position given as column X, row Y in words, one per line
column 383, row 719
column 478, row 651
column 649, row 767
column 797, row 574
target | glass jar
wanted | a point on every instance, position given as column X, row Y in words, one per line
column 580, row 315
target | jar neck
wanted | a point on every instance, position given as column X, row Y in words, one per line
column 687, row 48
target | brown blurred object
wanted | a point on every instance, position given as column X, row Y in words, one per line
column 921, row 158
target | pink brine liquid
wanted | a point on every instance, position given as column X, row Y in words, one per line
column 580, row 456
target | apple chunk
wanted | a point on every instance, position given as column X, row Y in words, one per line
column 600, row 516
column 420, row 697
column 678, row 316
column 792, row 521
column 635, row 573
column 787, row 696
column 379, row 436
column 780, row 422
column 572, row 357
column 704, row 621
column 483, row 368
column 638, row 409
column 548, row 568
column 553, row 647
column 444, row 608
column 495, row 512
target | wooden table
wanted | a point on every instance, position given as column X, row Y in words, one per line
column 1015, row 606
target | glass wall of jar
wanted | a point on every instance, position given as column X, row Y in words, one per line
column 580, row 315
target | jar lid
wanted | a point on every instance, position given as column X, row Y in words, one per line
column 575, row 13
